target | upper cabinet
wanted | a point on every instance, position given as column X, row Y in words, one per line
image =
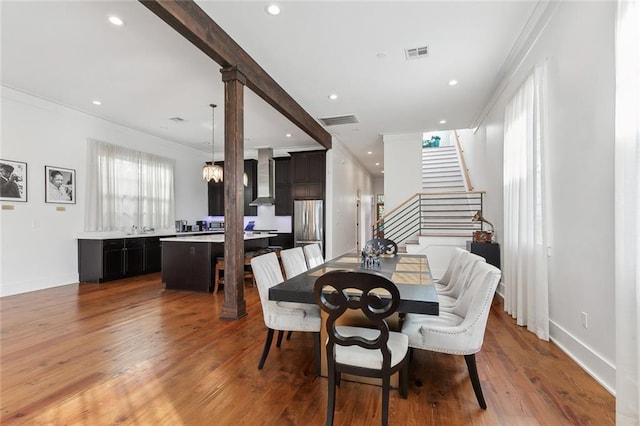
column 216, row 191
column 284, row 204
column 308, row 175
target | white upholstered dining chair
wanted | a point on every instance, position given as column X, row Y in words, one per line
column 459, row 330
column 293, row 261
column 283, row 316
column 313, row 254
column 444, row 281
column 459, row 280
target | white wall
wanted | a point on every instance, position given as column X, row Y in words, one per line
column 345, row 176
column 38, row 247
column 578, row 45
column 403, row 162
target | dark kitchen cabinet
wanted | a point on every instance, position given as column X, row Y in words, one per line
column 113, row 259
column 216, row 191
column 284, row 203
column 152, row 255
column 308, row 175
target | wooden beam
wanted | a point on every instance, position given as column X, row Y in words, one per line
column 188, row 19
column 234, row 305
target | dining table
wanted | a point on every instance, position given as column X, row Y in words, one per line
column 409, row 272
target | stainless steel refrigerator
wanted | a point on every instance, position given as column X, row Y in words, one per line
column 308, row 222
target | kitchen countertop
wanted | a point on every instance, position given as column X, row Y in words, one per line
column 219, row 238
column 156, row 233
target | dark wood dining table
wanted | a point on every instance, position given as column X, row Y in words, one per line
column 409, row 272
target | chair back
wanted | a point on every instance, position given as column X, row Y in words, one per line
column 313, row 254
column 455, row 256
column 475, row 304
column 267, row 273
column 460, row 274
column 374, row 295
column 382, row 245
column 293, row 262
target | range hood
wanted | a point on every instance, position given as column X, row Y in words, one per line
column 265, row 178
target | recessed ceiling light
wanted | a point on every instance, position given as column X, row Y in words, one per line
column 453, row 82
column 443, row 121
column 369, row 152
column 273, row 9
column 288, row 135
column 382, row 171
column 377, row 164
column 115, row 20
column 333, row 96
column 97, row 102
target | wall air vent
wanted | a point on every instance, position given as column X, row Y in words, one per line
column 177, row 119
column 341, row 119
column 417, row 52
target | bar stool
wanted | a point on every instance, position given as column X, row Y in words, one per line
column 219, row 267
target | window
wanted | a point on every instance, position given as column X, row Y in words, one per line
column 128, row 188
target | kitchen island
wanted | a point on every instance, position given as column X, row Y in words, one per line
column 188, row 261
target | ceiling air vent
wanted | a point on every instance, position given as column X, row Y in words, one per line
column 341, row 119
column 417, row 52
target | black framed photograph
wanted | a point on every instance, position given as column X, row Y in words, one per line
column 60, row 185
column 13, row 180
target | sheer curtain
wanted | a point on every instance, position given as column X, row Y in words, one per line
column 525, row 272
column 627, row 213
column 128, row 188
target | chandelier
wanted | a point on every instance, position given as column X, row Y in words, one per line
column 212, row 171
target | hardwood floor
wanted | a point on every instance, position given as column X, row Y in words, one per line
column 129, row 352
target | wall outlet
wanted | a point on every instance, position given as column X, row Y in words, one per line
column 585, row 323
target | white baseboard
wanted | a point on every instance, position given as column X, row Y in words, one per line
column 603, row 371
column 597, row 367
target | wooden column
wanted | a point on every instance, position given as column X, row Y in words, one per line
column 234, row 305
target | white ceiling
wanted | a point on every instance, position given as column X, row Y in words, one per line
column 144, row 73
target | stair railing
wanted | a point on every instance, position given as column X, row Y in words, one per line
column 442, row 214
column 463, row 164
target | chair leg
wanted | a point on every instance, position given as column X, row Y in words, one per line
column 385, row 399
column 475, row 380
column 265, row 351
column 216, row 278
column 316, row 353
column 289, row 335
column 404, row 379
column 331, row 397
column 279, row 342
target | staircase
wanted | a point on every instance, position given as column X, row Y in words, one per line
column 439, row 218
column 441, row 170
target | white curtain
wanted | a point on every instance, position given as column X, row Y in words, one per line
column 627, row 213
column 127, row 188
column 525, row 273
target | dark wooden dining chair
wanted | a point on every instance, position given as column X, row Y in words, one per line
column 383, row 245
column 370, row 352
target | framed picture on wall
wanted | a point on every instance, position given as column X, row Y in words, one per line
column 13, row 180
column 60, row 185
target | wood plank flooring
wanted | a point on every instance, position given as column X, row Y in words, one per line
column 130, row 352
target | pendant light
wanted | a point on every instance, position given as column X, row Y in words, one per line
column 212, row 171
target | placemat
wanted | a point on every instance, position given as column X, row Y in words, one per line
column 409, row 278
column 411, row 267
column 412, row 260
column 348, row 259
